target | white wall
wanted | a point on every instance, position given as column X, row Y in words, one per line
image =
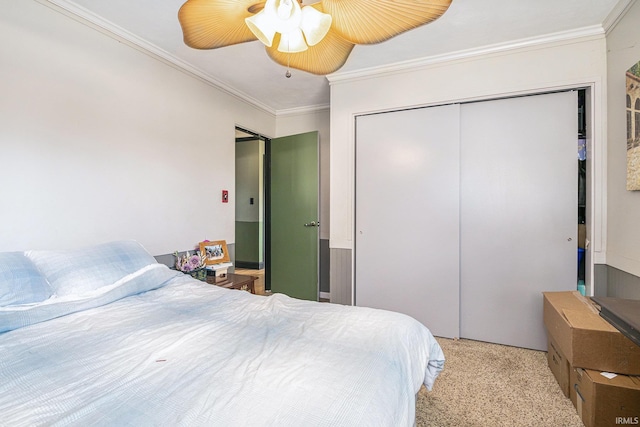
column 99, row 141
column 565, row 60
column 623, row 231
column 249, row 182
column 293, row 123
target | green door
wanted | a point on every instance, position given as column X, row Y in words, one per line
column 293, row 250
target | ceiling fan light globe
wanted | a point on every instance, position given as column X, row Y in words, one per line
column 286, row 15
column 261, row 25
column 315, row 25
column 292, row 42
column 284, row 9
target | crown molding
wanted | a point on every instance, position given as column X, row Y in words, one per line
column 616, row 14
column 303, row 110
column 114, row 31
column 563, row 37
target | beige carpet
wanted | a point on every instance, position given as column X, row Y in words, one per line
column 493, row 385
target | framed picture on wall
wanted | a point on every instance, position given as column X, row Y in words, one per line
column 215, row 251
column 633, row 127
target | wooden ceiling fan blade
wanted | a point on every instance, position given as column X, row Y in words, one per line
column 367, row 22
column 322, row 59
column 210, row 24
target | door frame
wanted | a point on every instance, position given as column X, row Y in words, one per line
column 266, row 169
column 267, row 186
column 266, row 195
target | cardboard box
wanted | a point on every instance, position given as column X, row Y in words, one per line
column 559, row 365
column 586, row 339
column 601, row 401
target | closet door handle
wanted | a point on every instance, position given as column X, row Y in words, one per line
column 312, row 224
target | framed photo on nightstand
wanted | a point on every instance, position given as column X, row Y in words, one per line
column 215, row 251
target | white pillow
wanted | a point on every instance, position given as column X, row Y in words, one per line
column 77, row 271
column 20, row 280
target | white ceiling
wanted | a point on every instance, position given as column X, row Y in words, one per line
column 245, row 69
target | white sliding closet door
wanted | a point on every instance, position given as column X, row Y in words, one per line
column 407, row 215
column 518, row 214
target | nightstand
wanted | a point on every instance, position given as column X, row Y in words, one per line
column 238, row 281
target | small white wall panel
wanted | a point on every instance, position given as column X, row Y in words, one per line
column 518, row 214
column 407, row 215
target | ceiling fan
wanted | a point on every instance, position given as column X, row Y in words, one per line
column 316, row 38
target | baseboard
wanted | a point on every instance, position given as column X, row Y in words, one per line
column 250, row 265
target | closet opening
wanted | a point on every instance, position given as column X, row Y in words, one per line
column 582, row 189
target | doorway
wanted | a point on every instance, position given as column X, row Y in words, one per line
column 277, row 211
column 250, row 205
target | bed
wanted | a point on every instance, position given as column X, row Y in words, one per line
column 105, row 335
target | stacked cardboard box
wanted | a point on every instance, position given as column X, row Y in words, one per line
column 582, row 345
column 604, row 398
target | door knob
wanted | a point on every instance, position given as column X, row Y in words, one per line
column 312, row 224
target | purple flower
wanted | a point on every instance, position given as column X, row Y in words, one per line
column 186, row 268
column 194, row 261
